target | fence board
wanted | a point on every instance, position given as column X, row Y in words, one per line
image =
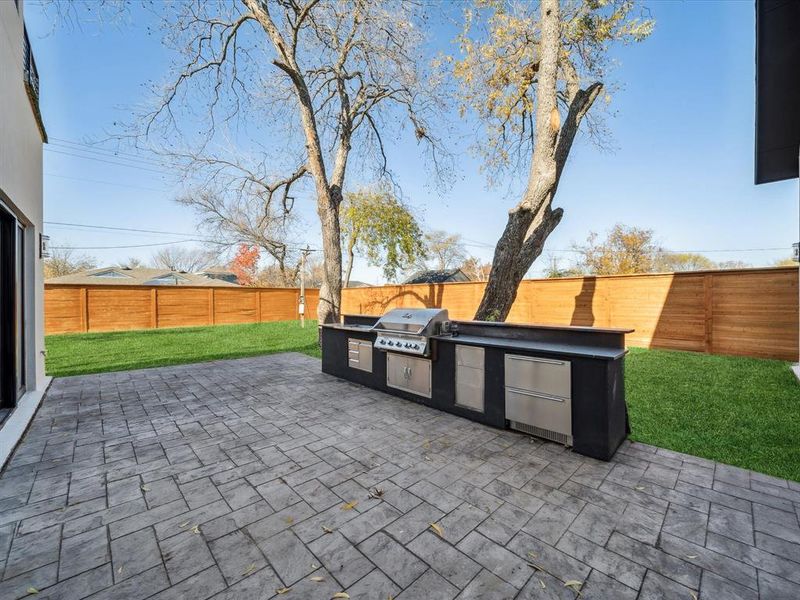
column 76, row 308
column 751, row 312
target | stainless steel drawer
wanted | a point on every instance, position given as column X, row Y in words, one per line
column 539, row 375
column 359, row 354
column 469, row 356
column 408, row 373
column 542, row 414
column 469, row 377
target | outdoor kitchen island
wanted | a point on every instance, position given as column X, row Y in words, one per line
column 560, row 383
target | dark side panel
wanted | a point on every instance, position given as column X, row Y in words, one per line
column 777, row 89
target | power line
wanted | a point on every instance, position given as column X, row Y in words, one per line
column 111, row 183
column 106, row 154
column 194, row 237
column 109, row 227
column 135, row 157
column 122, row 247
column 110, row 162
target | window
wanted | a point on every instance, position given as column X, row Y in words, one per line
column 110, row 274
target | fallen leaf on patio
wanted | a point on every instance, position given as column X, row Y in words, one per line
column 341, row 595
column 575, row 585
column 32, row 590
column 184, row 524
column 691, row 556
column 533, row 555
column 640, row 487
column 438, row 529
column 327, row 529
column 693, row 595
column 376, row 493
column 541, row 583
column 196, row 529
column 145, row 488
column 119, row 570
column 350, row 505
column 426, row 444
column 317, row 578
column 313, row 566
column 289, row 520
column 282, row 590
column 251, row 569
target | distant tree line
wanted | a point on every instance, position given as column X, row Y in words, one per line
column 628, row 249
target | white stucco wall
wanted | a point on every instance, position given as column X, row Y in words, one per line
column 21, row 177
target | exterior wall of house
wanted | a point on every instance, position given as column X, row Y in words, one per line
column 21, row 179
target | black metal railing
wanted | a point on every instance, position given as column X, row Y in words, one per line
column 31, row 74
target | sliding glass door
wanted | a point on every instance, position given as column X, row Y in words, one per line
column 12, row 309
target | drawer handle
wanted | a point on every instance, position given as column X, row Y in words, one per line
column 535, row 394
column 537, row 360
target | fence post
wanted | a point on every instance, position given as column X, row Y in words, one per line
column 154, row 308
column 211, row 316
column 84, row 308
column 258, row 305
column 708, row 306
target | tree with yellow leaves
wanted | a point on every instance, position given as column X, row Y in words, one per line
column 531, row 72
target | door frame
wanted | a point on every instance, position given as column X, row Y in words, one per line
column 8, row 293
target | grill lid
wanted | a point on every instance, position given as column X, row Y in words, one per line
column 410, row 320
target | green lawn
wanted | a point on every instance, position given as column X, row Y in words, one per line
column 78, row 354
column 739, row 411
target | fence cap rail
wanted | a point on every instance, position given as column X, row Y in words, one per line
column 116, row 286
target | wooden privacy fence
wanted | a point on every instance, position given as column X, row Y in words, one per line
column 81, row 308
column 750, row 312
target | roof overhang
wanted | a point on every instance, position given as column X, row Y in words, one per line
column 777, row 90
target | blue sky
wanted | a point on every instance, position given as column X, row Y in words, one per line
column 682, row 165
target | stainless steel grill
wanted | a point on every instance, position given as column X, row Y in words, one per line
column 408, row 330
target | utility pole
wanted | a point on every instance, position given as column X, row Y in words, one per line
column 302, row 308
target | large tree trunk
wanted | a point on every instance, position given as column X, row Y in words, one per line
column 350, row 258
column 504, row 278
column 533, row 219
column 329, row 195
column 512, row 260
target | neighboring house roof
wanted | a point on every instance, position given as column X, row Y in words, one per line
column 354, row 284
column 139, row 276
column 216, row 271
column 446, row 276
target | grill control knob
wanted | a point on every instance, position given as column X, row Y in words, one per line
column 390, row 343
column 416, row 346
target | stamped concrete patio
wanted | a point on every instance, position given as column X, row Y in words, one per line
column 240, row 479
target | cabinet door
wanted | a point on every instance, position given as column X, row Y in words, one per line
column 409, row 374
column 365, row 356
column 469, row 377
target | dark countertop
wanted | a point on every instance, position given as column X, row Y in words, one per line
column 348, row 327
column 535, row 346
column 581, row 328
